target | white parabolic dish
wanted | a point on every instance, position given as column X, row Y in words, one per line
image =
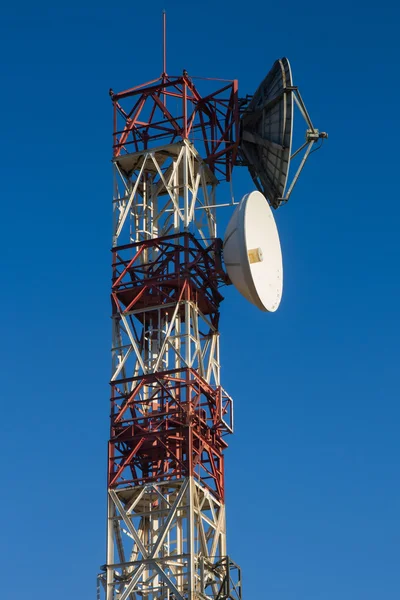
column 252, row 253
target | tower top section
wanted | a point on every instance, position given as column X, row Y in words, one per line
column 171, row 109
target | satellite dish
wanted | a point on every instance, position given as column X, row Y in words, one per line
column 267, row 131
column 267, row 128
column 252, row 253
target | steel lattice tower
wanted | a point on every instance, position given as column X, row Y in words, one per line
column 166, row 535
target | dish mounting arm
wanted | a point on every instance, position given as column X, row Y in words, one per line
column 312, row 136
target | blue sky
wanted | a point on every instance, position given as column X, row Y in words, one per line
column 312, row 471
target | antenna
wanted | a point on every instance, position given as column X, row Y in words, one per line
column 252, row 253
column 267, row 132
column 164, row 72
column 164, row 75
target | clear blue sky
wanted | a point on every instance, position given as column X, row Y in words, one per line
column 313, row 486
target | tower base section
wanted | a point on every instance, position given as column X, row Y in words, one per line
column 166, row 541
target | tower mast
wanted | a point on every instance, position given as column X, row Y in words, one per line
column 166, row 533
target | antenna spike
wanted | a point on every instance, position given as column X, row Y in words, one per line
column 164, row 72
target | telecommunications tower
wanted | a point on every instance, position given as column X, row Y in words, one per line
column 170, row 416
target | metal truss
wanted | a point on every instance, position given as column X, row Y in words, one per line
column 170, row 543
column 142, row 119
column 169, row 414
column 165, row 307
column 177, row 431
column 163, row 191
